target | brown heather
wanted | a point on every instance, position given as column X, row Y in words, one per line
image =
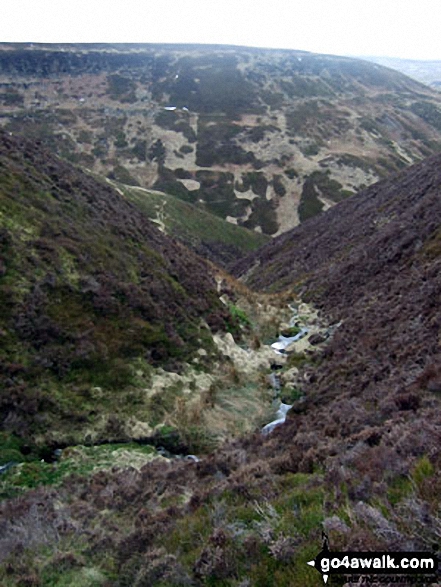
column 359, row 455
column 88, row 287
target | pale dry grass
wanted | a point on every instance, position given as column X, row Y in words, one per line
column 239, row 410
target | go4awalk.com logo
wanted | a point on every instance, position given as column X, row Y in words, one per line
column 414, row 564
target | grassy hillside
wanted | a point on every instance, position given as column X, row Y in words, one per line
column 264, row 138
column 208, row 235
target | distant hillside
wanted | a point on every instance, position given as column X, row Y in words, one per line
column 263, row 138
column 93, row 296
column 427, row 72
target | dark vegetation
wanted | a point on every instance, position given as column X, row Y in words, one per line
column 310, row 205
column 319, row 183
column 121, row 174
column 299, row 119
column 317, row 119
column 428, row 112
column 278, row 186
column 48, row 64
column 169, row 183
column 42, row 125
column 329, row 188
column 354, row 161
column 11, row 98
column 254, row 180
column 264, row 215
column 121, row 88
column 177, row 121
column 220, row 87
column 257, row 133
column 303, row 88
column 217, row 192
column 370, row 412
column 216, row 195
column 216, row 144
column 89, row 288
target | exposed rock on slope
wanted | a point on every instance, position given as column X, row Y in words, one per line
column 263, row 138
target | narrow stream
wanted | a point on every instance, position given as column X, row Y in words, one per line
column 284, row 341
column 279, row 348
column 281, row 417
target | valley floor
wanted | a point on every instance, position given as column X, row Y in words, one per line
column 47, row 531
column 249, row 513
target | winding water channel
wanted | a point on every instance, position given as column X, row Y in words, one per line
column 279, row 348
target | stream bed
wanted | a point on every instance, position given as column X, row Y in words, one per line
column 279, row 348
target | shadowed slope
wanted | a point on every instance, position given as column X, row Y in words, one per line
column 91, row 292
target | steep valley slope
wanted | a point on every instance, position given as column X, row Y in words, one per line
column 263, row 138
column 358, row 456
column 94, row 300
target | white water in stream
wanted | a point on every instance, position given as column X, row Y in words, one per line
column 279, row 348
column 284, row 341
column 281, row 417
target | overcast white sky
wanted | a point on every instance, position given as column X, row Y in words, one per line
column 393, row 28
